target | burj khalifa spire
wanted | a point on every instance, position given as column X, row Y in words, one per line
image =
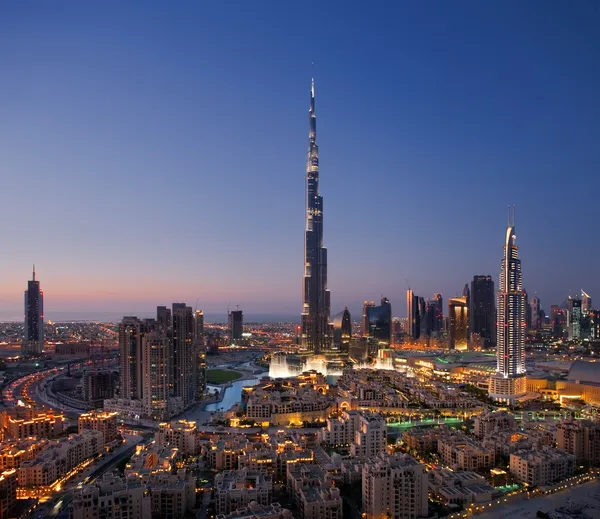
column 315, row 296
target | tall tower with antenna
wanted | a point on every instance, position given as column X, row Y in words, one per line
column 508, row 384
column 315, row 296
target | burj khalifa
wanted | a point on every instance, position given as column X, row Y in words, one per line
column 315, row 296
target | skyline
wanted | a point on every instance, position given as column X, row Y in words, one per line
column 95, row 137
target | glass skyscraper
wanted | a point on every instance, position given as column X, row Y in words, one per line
column 315, row 296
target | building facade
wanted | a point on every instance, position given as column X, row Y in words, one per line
column 342, row 331
column 34, row 318
column 315, row 296
column 394, row 487
column 482, row 310
column 458, row 323
column 509, row 382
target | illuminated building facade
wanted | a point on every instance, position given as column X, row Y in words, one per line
column 342, row 331
column 34, row 318
column 574, row 319
column 586, row 302
column 131, row 331
column 458, row 323
column 99, row 421
column 509, row 383
column 413, row 314
column 156, row 368
column 184, row 354
column 315, row 296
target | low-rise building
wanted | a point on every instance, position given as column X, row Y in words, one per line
column 150, row 460
column 14, row 452
column 542, row 467
column 8, row 492
column 112, row 498
column 491, row 422
column 181, row 434
column 460, row 487
column 462, row 453
column 57, row 460
column 26, row 422
column 313, row 493
column 394, row 486
column 172, row 495
column 255, row 510
column 102, row 421
column 235, row 489
column 580, row 438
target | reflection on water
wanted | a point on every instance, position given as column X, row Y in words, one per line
column 283, row 366
column 233, row 393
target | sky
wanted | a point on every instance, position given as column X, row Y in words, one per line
column 153, row 152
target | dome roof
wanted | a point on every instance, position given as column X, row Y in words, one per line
column 583, row 371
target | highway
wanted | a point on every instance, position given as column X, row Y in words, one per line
column 58, row 507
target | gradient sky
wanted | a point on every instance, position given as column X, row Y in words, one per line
column 153, row 152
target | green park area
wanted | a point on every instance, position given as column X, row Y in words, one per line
column 221, row 376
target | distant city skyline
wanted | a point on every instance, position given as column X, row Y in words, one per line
column 431, row 121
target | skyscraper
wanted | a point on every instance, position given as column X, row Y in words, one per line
column 34, row 318
column 315, row 296
column 574, row 318
column 342, row 331
column 482, row 309
column 458, row 323
column 509, row 383
column 364, row 328
column 163, row 317
column 413, row 314
column 438, row 318
column 155, row 373
column 379, row 319
column 536, row 310
column 184, row 354
column 236, row 325
column 586, row 302
column 199, row 326
column 131, row 331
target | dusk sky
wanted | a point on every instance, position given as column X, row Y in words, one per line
column 153, row 152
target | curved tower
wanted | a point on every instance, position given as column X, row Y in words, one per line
column 509, row 383
column 315, row 296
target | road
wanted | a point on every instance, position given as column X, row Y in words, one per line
column 58, row 507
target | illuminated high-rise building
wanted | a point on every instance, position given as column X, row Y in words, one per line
column 199, row 326
column 482, row 309
column 458, row 323
column 413, row 314
column 184, row 354
column 586, row 302
column 156, row 369
column 34, row 318
column 364, row 327
column 315, row 296
column 131, row 332
column 509, row 383
column 574, row 318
